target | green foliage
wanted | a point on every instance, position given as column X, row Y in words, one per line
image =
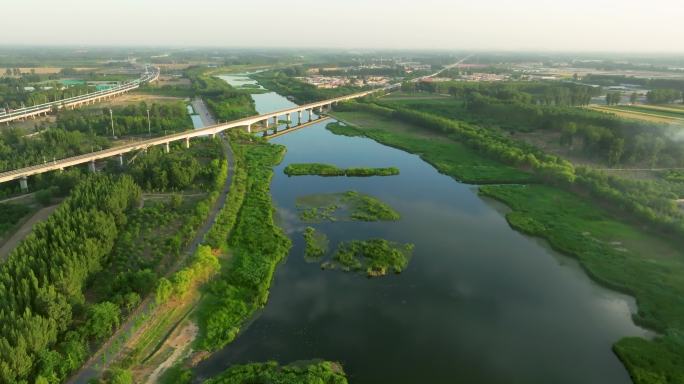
column 331, row 170
column 296, row 373
column 45, row 275
column 598, row 134
column 676, row 176
column 366, row 172
column 203, row 265
column 197, row 167
column 653, row 361
column 224, row 101
column 374, row 257
column 350, row 205
column 128, row 120
column 613, row 98
column 527, row 92
column 316, row 244
column 120, row 376
column 313, row 169
column 218, row 235
column 17, row 151
column 447, row 156
column 647, row 200
column 10, row 214
column 176, row 375
column 619, row 256
column 663, row 96
column 101, row 319
column 44, row 196
column 256, row 244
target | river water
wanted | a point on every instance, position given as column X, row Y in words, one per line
column 478, row 303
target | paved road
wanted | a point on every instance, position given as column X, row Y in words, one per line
column 100, row 360
column 24, row 230
column 202, row 110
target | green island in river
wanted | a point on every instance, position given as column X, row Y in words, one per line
column 323, row 372
column 350, row 205
column 318, row 169
column 316, row 244
column 374, row 257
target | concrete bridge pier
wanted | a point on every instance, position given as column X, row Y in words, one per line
column 23, row 184
column 121, row 163
column 299, row 117
column 310, row 114
column 167, row 147
column 268, row 122
column 187, row 142
column 91, row 166
column 249, row 127
column 289, row 120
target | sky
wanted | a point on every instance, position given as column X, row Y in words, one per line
column 531, row 25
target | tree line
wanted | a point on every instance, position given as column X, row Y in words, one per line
column 129, row 120
column 42, row 281
column 601, row 135
column 652, row 202
column 18, row 150
column 541, row 93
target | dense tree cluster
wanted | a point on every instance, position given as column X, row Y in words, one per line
column 541, row 93
column 129, row 120
column 195, row 168
column 663, row 96
column 17, row 150
column 613, row 98
column 41, row 284
column 10, row 214
column 600, row 135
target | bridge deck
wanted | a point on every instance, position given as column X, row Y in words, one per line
column 211, row 130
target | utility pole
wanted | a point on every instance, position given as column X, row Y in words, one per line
column 111, row 117
column 149, row 125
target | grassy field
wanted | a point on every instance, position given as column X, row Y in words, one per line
column 447, row 156
column 659, row 110
column 619, row 256
column 635, row 115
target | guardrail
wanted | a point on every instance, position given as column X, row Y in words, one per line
column 23, row 173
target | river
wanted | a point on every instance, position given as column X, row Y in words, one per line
column 478, row 303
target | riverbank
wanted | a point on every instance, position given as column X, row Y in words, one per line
column 615, row 254
column 150, row 323
column 448, row 156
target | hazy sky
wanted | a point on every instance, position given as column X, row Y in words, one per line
column 587, row 25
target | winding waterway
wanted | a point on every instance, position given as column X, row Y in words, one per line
column 478, row 303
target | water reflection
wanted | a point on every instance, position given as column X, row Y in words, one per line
column 479, row 302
